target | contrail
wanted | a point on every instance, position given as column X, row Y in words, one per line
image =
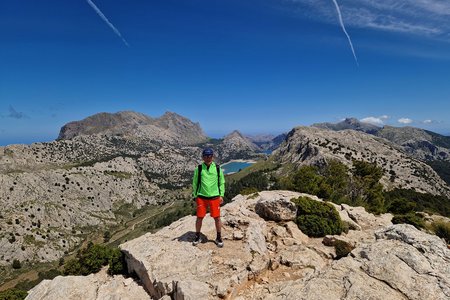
column 345, row 31
column 104, row 18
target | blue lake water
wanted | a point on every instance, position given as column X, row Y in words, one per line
column 234, row 166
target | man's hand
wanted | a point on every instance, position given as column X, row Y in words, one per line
column 221, row 200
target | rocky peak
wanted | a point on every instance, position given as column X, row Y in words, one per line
column 266, row 256
column 349, row 123
column 170, row 127
column 117, row 123
column 235, row 134
column 235, row 145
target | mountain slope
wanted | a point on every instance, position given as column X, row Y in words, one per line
column 267, row 142
column 422, row 144
column 314, row 146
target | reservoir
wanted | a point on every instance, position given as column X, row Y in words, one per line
column 234, row 166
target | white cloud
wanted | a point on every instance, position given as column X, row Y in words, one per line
column 405, row 121
column 430, row 121
column 419, row 17
column 373, row 121
column 384, row 117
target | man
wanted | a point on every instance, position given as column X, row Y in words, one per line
column 208, row 189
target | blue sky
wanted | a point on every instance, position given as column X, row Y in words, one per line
column 256, row 66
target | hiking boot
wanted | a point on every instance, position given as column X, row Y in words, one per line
column 196, row 241
column 219, row 242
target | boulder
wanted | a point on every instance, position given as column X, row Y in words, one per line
column 276, row 208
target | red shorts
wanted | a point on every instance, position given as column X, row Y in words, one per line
column 214, row 207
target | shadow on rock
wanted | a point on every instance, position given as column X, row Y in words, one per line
column 190, row 236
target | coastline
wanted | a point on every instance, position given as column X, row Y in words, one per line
column 250, row 161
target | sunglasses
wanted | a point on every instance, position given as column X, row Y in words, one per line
column 208, row 156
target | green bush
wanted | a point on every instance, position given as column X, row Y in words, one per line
column 317, row 219
column 423, row 202
column 366, row 189
column 252, row 183
column 16, row 264
column 93, row 258
column 402, row 206
column 249, row 191
column 335, row 182
column 410, row 218
column 13, row 294
column 442, row 230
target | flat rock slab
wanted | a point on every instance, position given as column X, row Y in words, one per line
column 98, row 286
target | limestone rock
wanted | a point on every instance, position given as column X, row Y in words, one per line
column 275, row 261
column 276, row 209
column 293, row 230
column 98, row 286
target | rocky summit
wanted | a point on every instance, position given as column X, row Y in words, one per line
column 170, row 127
column 266, row 256
column 235, row 145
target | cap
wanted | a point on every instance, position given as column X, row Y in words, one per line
column 207, row 151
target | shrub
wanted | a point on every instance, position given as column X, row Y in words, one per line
column 423, row 202
column 13, row 294
column 249, row 191
column 317, row 219
column 106, row 236
column 93, row 258
column 252, row 183
column 366, row 188
column 402, row 206
column 16, row 264
column 442, row 230
column 410, row 218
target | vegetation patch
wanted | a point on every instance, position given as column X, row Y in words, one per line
column 249, row 184
column 441, row 167
column 27, row 285
column 93, row 258
column 317, row 219
column 442, row 230
column 409, row 218
column 335, row 182
column 401, row 199
column 183, row 209
column 13, row 294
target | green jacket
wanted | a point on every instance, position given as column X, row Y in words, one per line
column 208, row 185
